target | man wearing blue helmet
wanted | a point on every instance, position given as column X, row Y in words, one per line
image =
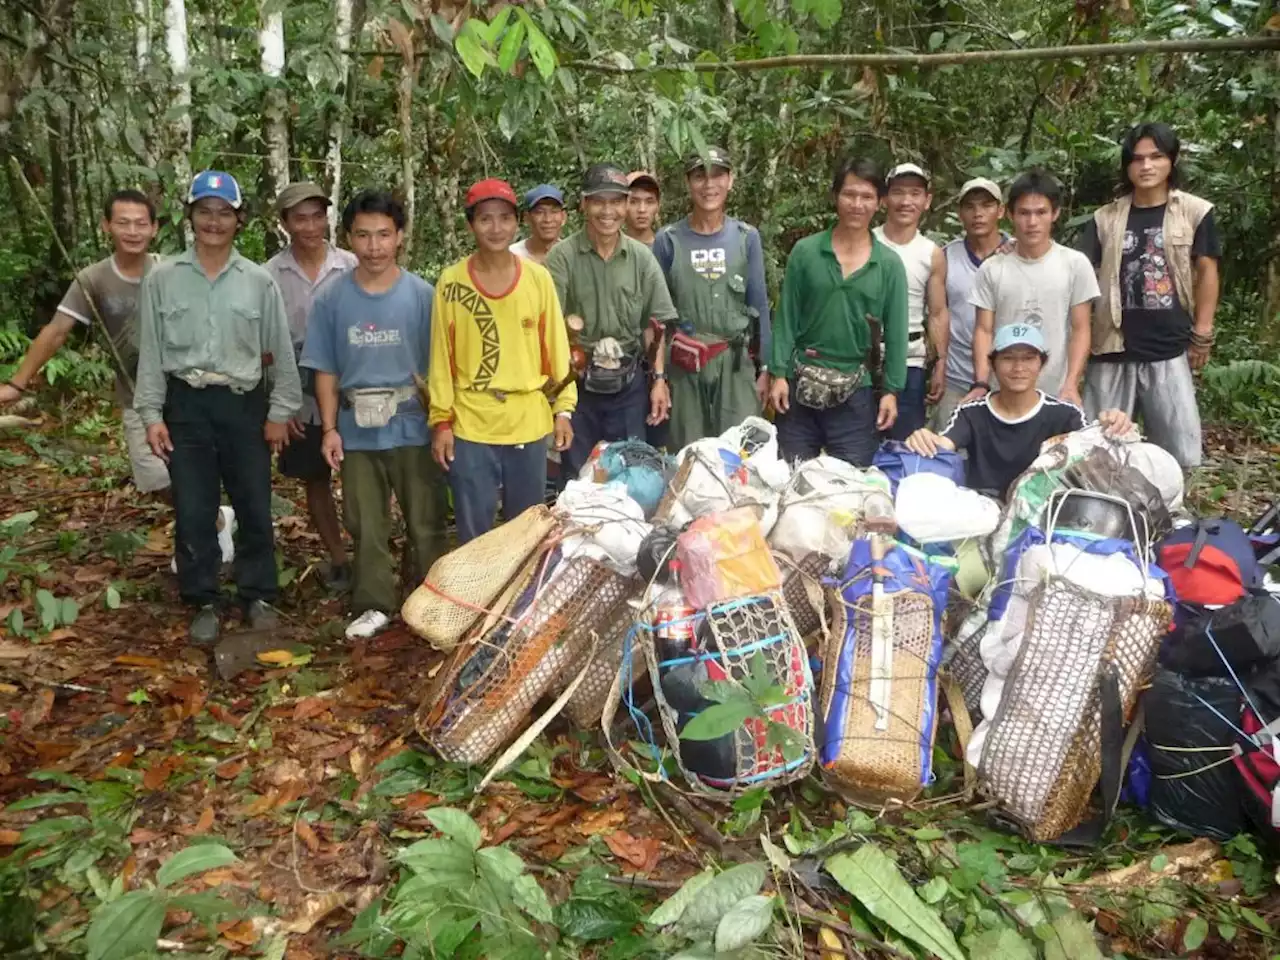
column 210, row 324
column 1001, row 433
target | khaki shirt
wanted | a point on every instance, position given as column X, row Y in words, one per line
column 614, row 297
column 218, row 330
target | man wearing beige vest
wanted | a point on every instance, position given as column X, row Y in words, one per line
column 1156, row 250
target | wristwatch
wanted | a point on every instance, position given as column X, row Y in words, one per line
column 980, row 385
column 655, row 376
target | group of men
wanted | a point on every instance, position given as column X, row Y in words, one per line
column 345, row 361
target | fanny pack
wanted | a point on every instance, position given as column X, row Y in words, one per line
column 821, row 388
column 375, row 406
column 611, row 380
column 690, row 353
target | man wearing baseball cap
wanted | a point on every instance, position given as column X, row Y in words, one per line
column 211, row 323
column 610, row 286
column 500, row 379
column 300, row 269
column 644, row 194
column 981, row 206
column 907, row 198
column 368, row 339
column 545, row 215
column 714, row 266
column 1001, row 433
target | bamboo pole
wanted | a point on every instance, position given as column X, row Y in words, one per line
column 841, row 61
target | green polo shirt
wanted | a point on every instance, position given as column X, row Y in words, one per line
column 614, row 297
column 823, row 315
column 188, row 323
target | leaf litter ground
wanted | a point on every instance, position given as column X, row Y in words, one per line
column 285, row 798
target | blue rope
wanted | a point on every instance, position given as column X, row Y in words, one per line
column 1214, row 710
column 643, row 727
column 1240, row 686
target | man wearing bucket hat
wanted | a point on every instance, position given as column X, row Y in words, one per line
column 908, row 196
column 1001, row 433
column 500, row 379
column 300, row 269
column 211, row 323
column 714, row 266
column 545, row 215
column 644, row 195
column 981, row 206
column 368, row 339
column 610, row 286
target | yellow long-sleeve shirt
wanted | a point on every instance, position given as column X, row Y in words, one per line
column 492, row 354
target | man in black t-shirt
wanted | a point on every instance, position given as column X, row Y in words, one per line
column 1001, row 433
column 1156, row 250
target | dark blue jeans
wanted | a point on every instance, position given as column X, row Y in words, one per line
column 617, row 416
column 911, row 406
column 847, row 432
column 480, row 470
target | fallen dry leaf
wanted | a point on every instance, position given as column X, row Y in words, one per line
column 602, row 821
column 1179, row 859
column 229, row 770
column 413, row 802
column 143, row 835
column 309, row 707
column 308, row 836
column 62, row 633
column 313, row 911
column 223, row 715
column 284, row 771
column 39, row 710
column 156, row 775
column 641, row 852
column 203, row 825
column 243, row 932
column 359, row 762
column 275, row 657
column 10, row 838
column 134, row 660
column 830, row 945
column 335, row 750
column 14, row 651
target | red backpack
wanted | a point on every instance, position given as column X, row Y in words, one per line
column 1209, row 562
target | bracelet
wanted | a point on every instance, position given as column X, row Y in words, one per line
column 979, row 385
column 1202, row 339
column 328, row 430
column 16, row 386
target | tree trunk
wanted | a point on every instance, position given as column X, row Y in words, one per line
column 403, row 38
column 142, row 33
column 61, row 186
column 275, row 110
column 342, row 16
column 1271, row 319
column 175, row 42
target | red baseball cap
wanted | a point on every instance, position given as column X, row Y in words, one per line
column 492, row 189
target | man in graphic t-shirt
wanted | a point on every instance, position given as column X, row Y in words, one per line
column 1001, row 434
column 1156, row 250
column 368, row 334
column 714, row 267
column 1043, row 284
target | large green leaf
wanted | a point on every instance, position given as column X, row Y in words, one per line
column 440, row 861
column 512, row 40
column 1070, row 938
column 541, row 52
column 126, row 927
column 595, row 918
column 456, row 825
column 746, row 920
column 1004, row 944
column 44, row 830
column 670, row 910
column 470, row 46
column 878, row 884
column 499, row 865
column 718, row 720
column 531, row 898
column 718, row 897
column 193, row 860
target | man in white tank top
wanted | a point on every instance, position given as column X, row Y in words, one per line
column 906, row 199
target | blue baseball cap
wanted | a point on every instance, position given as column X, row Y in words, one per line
column 543, row 191
column 215, row 183
column 1018, row 335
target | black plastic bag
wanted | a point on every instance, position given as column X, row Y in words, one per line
column 1191, row 788
column 1247, row 634
column 1101, row 472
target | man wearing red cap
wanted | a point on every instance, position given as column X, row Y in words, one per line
column 500, row 378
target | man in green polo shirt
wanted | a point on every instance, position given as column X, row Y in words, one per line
column 609, row 287
column 835, row 280
column 211, row 322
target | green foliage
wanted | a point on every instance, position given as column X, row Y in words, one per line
column 1245, row 392
column 735, row 702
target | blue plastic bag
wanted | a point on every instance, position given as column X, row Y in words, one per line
column 895, row 461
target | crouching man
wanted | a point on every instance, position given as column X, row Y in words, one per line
column 368, row 334
column 1001, row 433
column 210, row 323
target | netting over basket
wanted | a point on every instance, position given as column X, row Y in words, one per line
column 878, row 735
column 736, row 632
column 610, row 616
column 461, row 584
column 802, row 589
column 968, row 670
column 1042, row 757
column 486, row 689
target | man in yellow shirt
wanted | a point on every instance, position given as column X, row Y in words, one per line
column 500, row 378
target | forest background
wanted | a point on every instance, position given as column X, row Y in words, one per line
column 425, row 96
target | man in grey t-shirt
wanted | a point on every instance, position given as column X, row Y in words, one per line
column 1042, row 284
column 129, row 220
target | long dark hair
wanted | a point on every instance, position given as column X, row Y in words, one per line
column 1166, row 141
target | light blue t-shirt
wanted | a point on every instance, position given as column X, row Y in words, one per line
column 373, row 340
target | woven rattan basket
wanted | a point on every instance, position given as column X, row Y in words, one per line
column 1042, row 756
column 872, row 757
column 485, row 691
column 466, row 581
column 803, row 593
column 610, row 617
